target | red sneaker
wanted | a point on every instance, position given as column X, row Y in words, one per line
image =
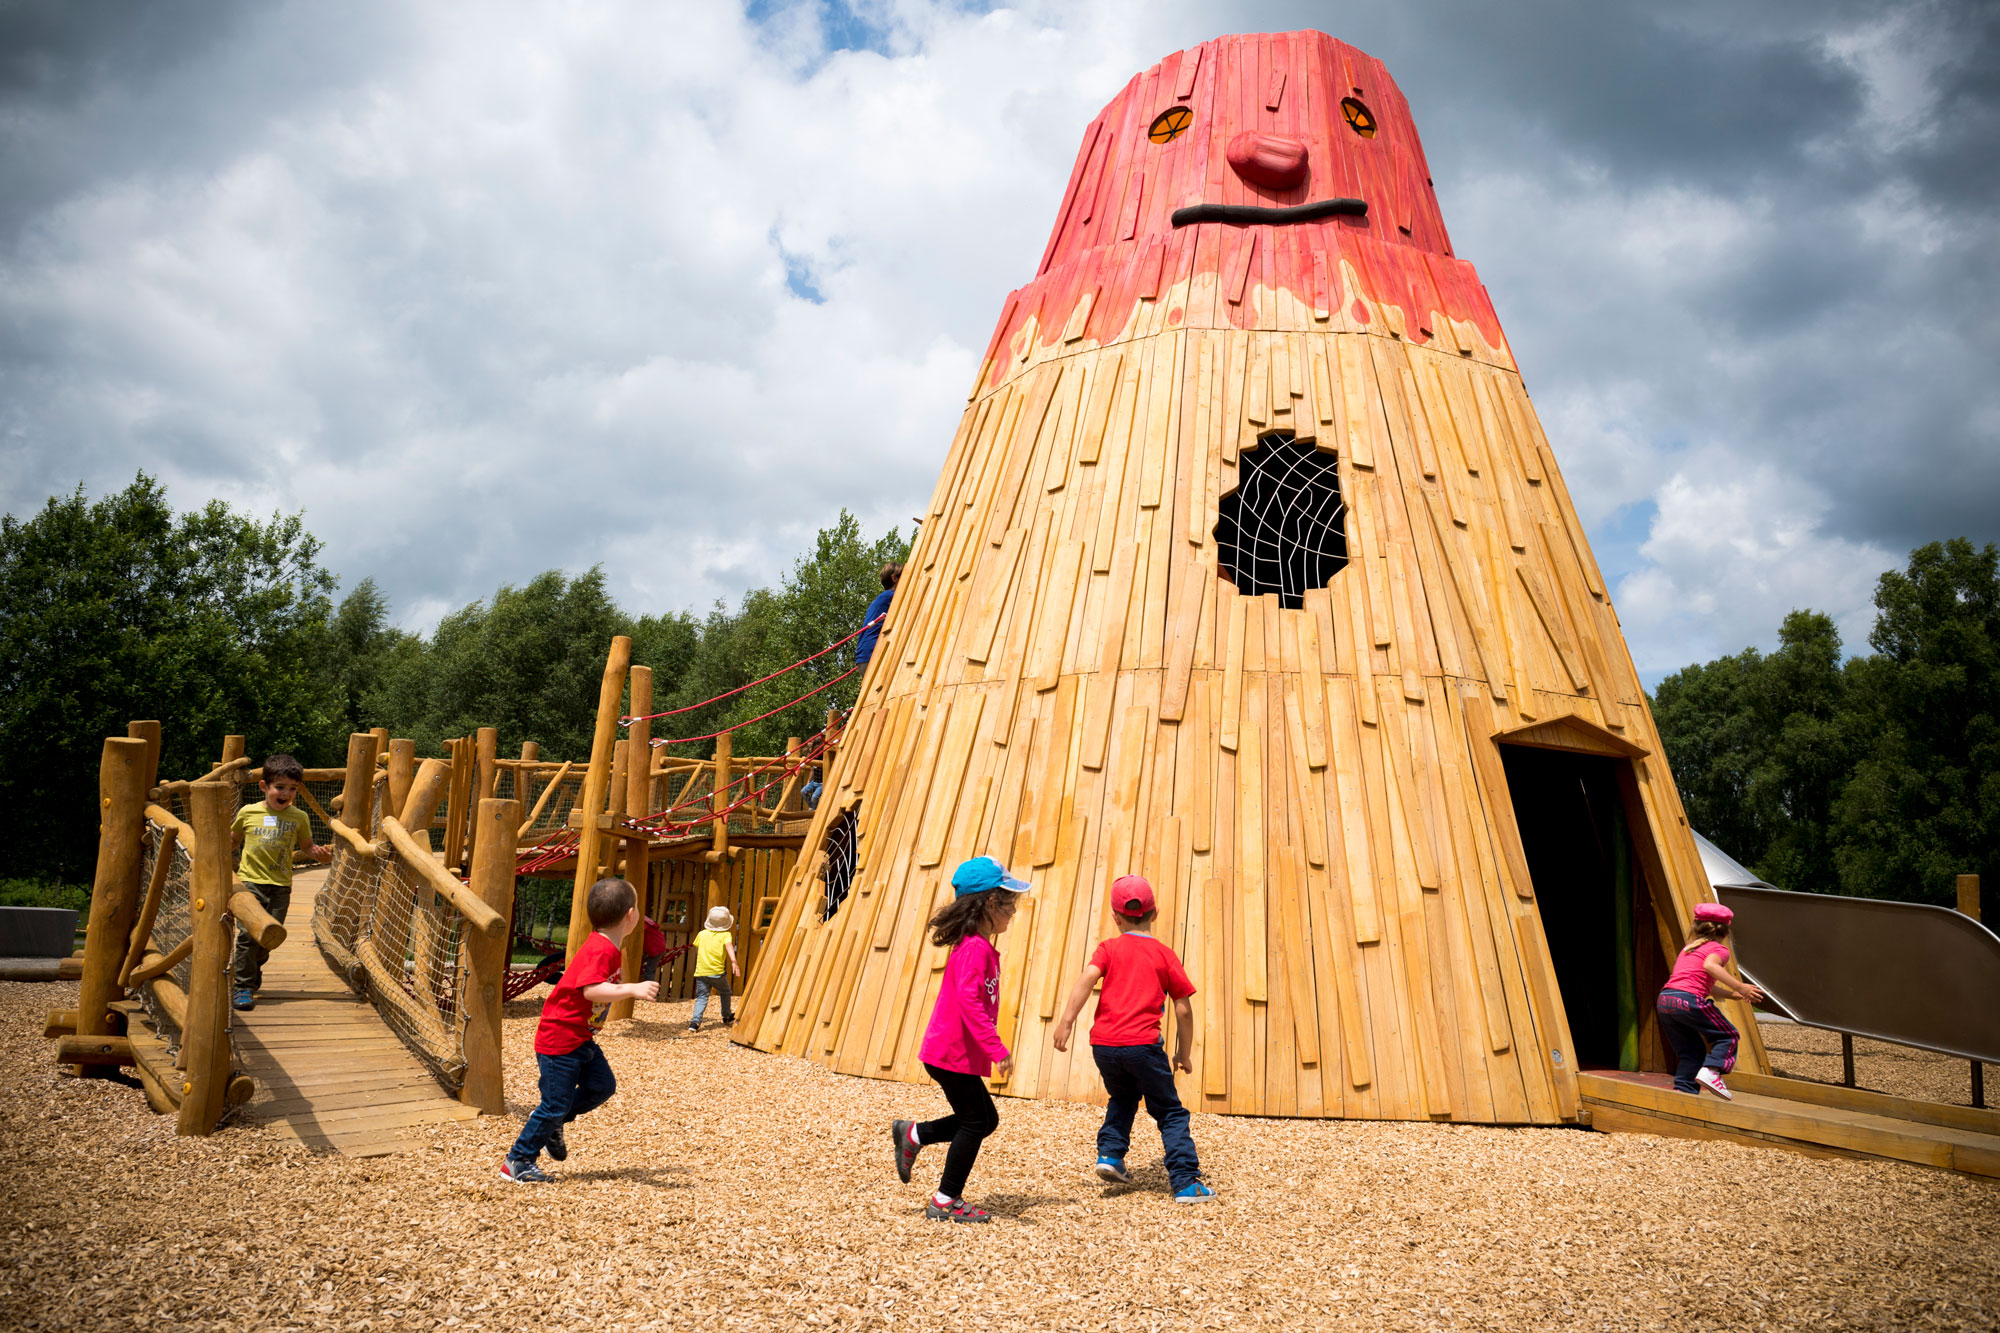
column 958, row 1210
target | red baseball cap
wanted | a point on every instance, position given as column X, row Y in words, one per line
column 1131, row 896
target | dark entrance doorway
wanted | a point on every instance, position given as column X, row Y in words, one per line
column 1571, row 811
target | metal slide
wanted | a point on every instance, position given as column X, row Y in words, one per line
column 1903, row 972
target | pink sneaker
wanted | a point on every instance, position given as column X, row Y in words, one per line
column 1711, row 1080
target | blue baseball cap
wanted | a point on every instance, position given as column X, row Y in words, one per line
column 982, row 874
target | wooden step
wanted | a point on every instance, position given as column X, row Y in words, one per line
column 1867, row 1125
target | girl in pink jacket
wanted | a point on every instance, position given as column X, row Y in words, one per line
column 961, row 1045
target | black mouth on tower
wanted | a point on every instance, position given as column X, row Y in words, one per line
column 1252, row 215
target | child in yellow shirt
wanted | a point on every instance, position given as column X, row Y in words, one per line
column 269, row 831
column 714, row 949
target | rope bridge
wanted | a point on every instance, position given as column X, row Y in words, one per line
column 396, row 927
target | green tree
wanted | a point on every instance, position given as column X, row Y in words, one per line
column 819, row 603
column 1923, row 805
column 119, row 608
column 1759, row 746
column 528, row 662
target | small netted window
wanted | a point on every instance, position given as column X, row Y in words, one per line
column 1283, row 529
column 841, row 847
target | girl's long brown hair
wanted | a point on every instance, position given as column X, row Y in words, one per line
column 963, row 916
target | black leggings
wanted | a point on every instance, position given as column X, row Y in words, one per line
column 973, row 1116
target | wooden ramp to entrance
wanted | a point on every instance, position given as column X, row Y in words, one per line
column 1806, row 1117
column 329, row 1071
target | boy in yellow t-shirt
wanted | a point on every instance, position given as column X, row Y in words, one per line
column 269, row 831
column 714, row 948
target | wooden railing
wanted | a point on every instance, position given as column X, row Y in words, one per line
column 163, row 915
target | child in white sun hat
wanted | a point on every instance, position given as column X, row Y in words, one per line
column 714, row 951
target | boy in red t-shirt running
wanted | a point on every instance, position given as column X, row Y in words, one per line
column 576, row 1079
column 1139, row 974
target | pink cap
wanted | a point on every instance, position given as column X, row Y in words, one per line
column 1131, row 896
column 1712, row 912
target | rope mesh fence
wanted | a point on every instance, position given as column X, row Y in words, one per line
column 171, row 927
column 388, row 934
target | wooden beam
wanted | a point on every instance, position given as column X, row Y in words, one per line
column 486, row 957
column 596, row 783
column 448, row 886
column 114, row 895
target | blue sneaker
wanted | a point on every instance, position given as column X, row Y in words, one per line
column 1113, row 1169
column 557, row 1148
column 524, row 1173
column 1193, row 1192
column 244, row 999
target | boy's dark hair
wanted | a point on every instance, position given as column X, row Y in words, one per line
column 1145, row 920
column 283, row 766
column 1708, row 930
column 964, row 916
column 892, row 574
column 608, row 902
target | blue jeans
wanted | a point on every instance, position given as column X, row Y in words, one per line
column 572, row 1085
column 1132, row 1072
column 1698, row 1034
column 702, row 986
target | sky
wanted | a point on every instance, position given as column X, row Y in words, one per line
column 489, row 289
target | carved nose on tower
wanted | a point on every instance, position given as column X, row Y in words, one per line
column 1275, row 161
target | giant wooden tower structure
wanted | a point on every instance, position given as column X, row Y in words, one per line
column 1251, row 570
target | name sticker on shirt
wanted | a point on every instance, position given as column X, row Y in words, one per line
column 270, row 821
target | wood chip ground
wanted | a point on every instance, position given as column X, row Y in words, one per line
column 727, row 1189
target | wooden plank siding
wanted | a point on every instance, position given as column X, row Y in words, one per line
column 1070, row 684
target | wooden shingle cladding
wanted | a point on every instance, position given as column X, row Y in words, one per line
column 1065, row 682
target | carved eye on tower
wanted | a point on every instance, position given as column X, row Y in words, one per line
column 1358, row 117
column 1170, row 124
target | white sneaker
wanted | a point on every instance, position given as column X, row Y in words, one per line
column 1711, row 1080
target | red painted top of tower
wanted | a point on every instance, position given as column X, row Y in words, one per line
column 1273, row 121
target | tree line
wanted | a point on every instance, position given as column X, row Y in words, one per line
column 1876, row 776
column 216, row 622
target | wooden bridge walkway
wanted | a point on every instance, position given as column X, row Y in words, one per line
column 329, row 1071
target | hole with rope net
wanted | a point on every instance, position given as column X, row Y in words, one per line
column 842, row 847
column 1283, row 528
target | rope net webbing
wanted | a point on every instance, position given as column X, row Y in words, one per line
column 172, row 926
column 391, row 937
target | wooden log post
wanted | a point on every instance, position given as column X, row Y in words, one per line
column 718, row 855
column 610, row 853
column 638, row 793
column 205, row 1032
column 1968, row 903
column 486, row 779
column 420, row 806
column 402, row 772
column 357, row 792
column 114, row 894
column 596, row 784
column 148, row 732
column 524, row 776
column 486, row 956
column 381, row 735
column 232, row 749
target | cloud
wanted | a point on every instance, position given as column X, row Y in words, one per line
column 1729, row 554
column 667, row 287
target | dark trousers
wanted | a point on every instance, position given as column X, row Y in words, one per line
column 572, row 1085
column 702, row 986
column 973, row 1116
column 1699, row 1035
column 247, row 967
column 1133, row 1072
